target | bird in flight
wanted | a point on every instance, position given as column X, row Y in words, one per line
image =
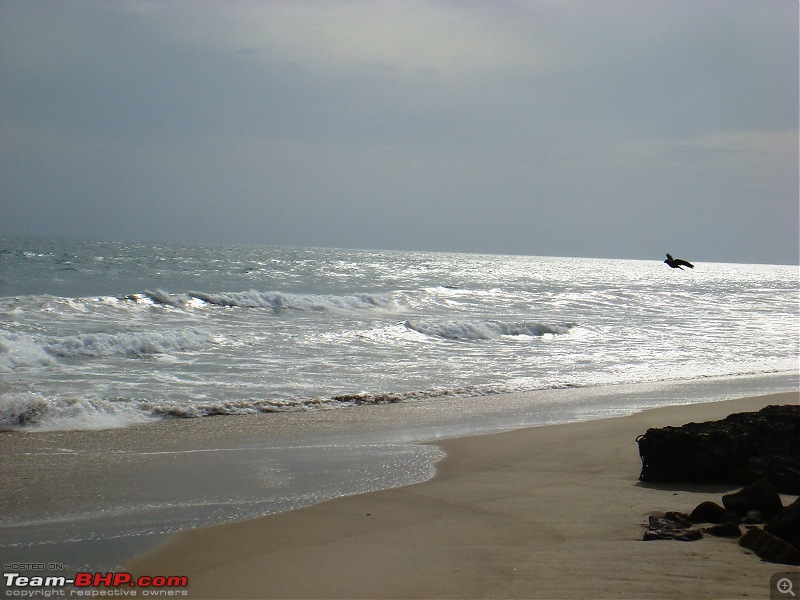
column 678, row 263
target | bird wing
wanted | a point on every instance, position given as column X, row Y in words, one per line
column 685, row 263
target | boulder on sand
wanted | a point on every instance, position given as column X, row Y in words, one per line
column 729, row 530
column 769, row 547
column 787, row 524
column 711, row 512
column 760, row 496
column 740, row 449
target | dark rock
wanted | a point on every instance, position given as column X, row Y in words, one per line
column 679, row 518
column 787, row 524
column 760, row 496
column 754, row 516
column 681, row 535
column 730, row 530
column 711, row 512
column 782, row 471
column 742, row 448
column 661, row 523
column 769, row 547
column 688, row 535
column 667, row 528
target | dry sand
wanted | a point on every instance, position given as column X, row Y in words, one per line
column 547, row 512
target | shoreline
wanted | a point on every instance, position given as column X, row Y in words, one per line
column 549, row 511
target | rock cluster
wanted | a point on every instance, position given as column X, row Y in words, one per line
column 760, row 449
column 740, row 449
column 778, row 540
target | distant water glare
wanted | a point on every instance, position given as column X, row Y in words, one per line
column 101, row 334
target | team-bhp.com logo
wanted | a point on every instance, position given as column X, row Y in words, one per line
column 94, row 584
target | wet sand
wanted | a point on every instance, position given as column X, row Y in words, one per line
column 545, row 512
column 93, row 499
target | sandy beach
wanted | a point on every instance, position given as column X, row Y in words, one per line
column 545, row 512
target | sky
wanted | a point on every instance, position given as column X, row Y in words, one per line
column 598, row 128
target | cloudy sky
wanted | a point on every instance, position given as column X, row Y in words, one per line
column 615, row 128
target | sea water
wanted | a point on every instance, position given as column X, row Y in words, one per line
column 120, row 363
column 96, row 335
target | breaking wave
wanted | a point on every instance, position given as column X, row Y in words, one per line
column 31, row 410
column 269, row 300
column 34, row 411
column 22, row 350
column 129, row 344
column 484, row 330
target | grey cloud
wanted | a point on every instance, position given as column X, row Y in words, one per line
column 531, row 127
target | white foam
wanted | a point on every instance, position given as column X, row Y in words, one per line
column 34, row 411
column 484, row 330
column 270, row 300
column 129, row 344
column 28, row 351
column 19, row 351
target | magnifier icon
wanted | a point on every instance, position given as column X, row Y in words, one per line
column 784, row 586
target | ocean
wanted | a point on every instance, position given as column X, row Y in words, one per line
column 96, row 335
column 150, row 388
